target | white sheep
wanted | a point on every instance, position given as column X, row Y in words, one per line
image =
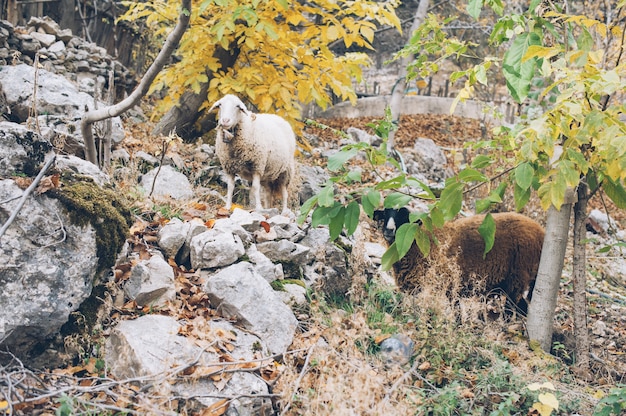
column 258, row 147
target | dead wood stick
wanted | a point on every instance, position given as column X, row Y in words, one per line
column 27, row 192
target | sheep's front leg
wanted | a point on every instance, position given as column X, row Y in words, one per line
column 255, row 191
column 230, row 188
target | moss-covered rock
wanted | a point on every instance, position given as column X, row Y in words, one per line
column 103, row 208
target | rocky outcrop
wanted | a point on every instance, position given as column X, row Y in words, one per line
column 47, row 265
column 58, row 101
column 62, row 53
column 60, row 239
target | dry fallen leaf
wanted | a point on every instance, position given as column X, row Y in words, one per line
column 425, row 366
column 216, row 409
column 22, row 182
column 47, row 183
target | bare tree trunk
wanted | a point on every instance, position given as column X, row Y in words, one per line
column 170, row 44
column 541, row 311
column 397, row 93
column 182, row 117
column 581, row 333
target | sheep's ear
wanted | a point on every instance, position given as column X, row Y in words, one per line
column 215, row 105
column 243, row 109
column 379, row 215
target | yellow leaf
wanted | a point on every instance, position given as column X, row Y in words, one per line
column 599, row 394
column 595, row 57
column 549, row 399
column 542, row 409
column 4, row 405
column 368, row 33
column 538, row 51
column 332, row 33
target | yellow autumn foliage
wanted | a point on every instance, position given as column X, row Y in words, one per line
column 284, row 55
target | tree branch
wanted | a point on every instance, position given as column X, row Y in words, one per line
column 171, row 43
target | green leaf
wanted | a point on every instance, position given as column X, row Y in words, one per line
column 396, row 200
column 519, row 74
column 370, row 202
column 524, row 173
column 474, row 7
column 354, row 176
column 481, row 161
column 585, row 40
column 534, row 4
column 579, row 160
column 616, row 192
column 422, row 240
column 324, row 215
column 336, row 223
column 306, row 208
column 426, row 192
column 393, row 183
column 483, row 205
column 553, row 192
column 570, row 173
column 488, row 231
column 326, row 196
column 352, row 217
column 451, row 200
column 405, row 235
column 390, row 257
column 521, row 196
column 336, row 161
column 437, row 217
column 471, row 175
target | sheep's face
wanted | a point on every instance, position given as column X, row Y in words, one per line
column 391, row 220
column 231, row 108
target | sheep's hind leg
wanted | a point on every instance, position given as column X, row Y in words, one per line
column 285, row 197
column 255, row 191
column 230, row 188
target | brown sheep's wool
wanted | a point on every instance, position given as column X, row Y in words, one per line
column 456, row 260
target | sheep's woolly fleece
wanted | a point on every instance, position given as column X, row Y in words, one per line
column 456, row 260
column 260, row 148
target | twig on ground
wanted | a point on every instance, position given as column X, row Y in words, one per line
column 305, row 366
column 21, row 386
column 399, row 381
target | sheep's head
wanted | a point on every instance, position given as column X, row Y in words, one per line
column 231, row 108
column 391, row 219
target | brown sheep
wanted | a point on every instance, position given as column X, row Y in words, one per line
column 511, row 265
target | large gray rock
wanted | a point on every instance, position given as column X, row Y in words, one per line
column 285, row 251
column 47, row 265
column 172, row 236
column 151, row 282
column 169, row 183
column 238, row 291
column 427, row 161
column 329, row 272
column 150, row 346
column 215, row 248
column 56, row 95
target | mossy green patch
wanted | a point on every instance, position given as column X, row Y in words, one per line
column 103, row 208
